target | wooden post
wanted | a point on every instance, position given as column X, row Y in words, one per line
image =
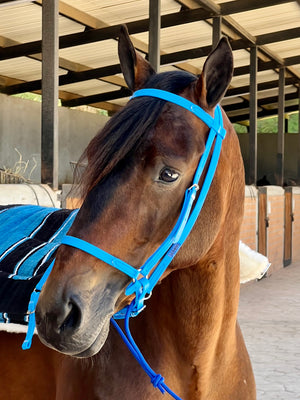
column 252, row 176
column 288, row 226
column 154, row 34
column 298, row 175
column 49, row 142
column 280, row 138
column 263, row 221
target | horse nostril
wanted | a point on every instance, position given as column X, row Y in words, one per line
column 72, row 321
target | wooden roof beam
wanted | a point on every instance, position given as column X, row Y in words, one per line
column 95, row 23
column 242, row 90
column 96, row 98
column 70, row 77
column 262, row 103
column 278, row 36
column 109, row 71
column 231, row 7
column 239, row 6
column 246, row 5
column 123, row 92
column 109, row 32
column 266, row 65
column 262, row 114
column 85, row 74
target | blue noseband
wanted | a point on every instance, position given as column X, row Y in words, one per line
column 146, row 277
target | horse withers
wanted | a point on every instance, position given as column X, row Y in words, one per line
column 139, row 167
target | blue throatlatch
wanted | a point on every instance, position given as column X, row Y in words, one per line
column 145, row 278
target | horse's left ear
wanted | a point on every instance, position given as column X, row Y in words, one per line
column 135, row 68
column 216, row 75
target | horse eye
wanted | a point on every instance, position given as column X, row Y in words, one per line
column 168, row 175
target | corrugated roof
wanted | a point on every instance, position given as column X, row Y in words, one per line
column 183, row 41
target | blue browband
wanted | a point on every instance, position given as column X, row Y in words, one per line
column 145, row 278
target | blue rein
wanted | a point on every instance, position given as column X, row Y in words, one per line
column 145, row 278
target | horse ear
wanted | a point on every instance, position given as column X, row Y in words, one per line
column 216, row 75
column 135, row 68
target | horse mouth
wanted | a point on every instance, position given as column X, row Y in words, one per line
column 99, row 341
column 79, row 345
column 80, row 334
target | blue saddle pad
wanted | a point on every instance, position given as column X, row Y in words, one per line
column 30, row 236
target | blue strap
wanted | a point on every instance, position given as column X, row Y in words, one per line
column 178, row 100
column 101, row 255
column 190, row 195
column 206, row 184
column 32, row 306
column 164, row 255
column 156, row 379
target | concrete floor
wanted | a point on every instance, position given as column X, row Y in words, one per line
column 269, row 316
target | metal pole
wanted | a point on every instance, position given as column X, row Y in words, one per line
column 280, row 138
column 154, row 34
column 252, row 176
column 217, row 30
column 49, row 142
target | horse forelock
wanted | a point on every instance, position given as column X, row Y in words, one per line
column 125, row 133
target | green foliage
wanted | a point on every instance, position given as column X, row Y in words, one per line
column 29, row 96
column 270, row 125
column 239, row 128
column 294, row 123
column 267, row 125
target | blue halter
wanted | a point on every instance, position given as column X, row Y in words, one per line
column 145, row 278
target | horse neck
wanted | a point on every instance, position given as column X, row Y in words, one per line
column 195, row 307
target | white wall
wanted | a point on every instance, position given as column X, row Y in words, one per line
column 20, row 127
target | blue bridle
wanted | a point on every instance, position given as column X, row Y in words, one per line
column 146, row 277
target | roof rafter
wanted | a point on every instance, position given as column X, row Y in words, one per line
column 262, row 114
column 239, row 6
column 231, row 7
column 242, row 90
column 266, row 65
column 250, row 40
column 195, row 10
column 262, row 103
column 106, row 72
column 109, row 32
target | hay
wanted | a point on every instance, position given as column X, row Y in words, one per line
column 19, row 173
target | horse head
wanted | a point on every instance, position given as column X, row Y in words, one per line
column 139, row 167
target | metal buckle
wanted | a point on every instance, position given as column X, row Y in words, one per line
column 195, row 185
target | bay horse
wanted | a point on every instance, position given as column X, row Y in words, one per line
column 139, row 167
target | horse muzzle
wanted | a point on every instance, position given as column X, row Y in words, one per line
column 74, row 320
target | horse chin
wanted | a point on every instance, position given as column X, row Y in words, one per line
column 97, row 345
column 81, row 345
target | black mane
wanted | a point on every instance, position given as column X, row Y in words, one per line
column 126, row 130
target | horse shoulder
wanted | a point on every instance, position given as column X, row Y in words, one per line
column 35, row 369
